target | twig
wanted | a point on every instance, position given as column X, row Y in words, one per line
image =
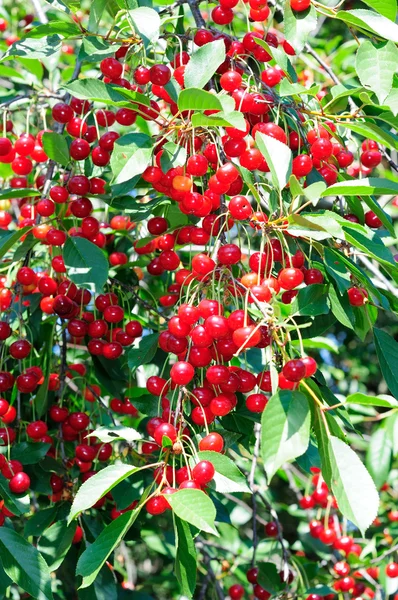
column 256, row 449
column 39, row 11
column 212, row 576
column 386, row 553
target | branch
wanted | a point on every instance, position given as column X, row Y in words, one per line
column 256, row 449
column 39, row 11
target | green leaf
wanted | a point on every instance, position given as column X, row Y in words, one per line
column 203, row 64
column 269, row 579
column 10, row 193
column 95, row 555
column 9, row 238
column 371, row 244
column 66, row 29
column 351, row 483
column 278, row 156
column 42, row 519
column 194, row 507
column 24, row 565
column 85, row 264
column 322, row 438
column 370, row 21
column 285, row 429
column 96, row 90
column 94, row 49
column 42, row 48
column 392, row 101
column 337, row 269
column 144, row 352
column 382, row 400
column 146, row 22
column 368, row 186
column 296, row 89
column 311, row 301
column 220, row 119
column 387, row 8
column 114, row 433
column 315, row 226
column 378, row 456
column 185, row 565
column 173, row 155
column 376, row 66
column 130, row 157
column 373, row 132
column 298, row 25
column 29, row 453
column 198, row 99
column 16, row 504
column 97, row 8
column 387, row 353
column 228, row 477
column 97, row 486
column 55, row 543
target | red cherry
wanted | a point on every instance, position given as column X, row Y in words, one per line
column 357, row 296
column 271, row 529
column 290, row 278
column 294, row 370
column 203, row 472
column 36, row 430
column 19, row 483
column 236, row 592
column 165, row 430
column 214, row 442
column 111, row 67
column 392, row 570
column 256, row 402
column 372, row 220
column 182, row 373
column 302, row 165
column 300, row 5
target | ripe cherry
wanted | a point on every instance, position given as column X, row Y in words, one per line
column 357, row 296
column 392, row 570
column 214, row 442
column 294, row 370
column 19, row 483
column 290, row 278
column 203, row 472
column 111, row 67
column 157, row 505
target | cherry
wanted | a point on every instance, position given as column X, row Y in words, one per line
column 20, row 349
column 302, row 165
column 165, row 430
column 203, row 472
column 141, row 75
column 290, row 278
column 182, row 373
column 357, row 296
column 111, row 67
column 79, row 149
column 19, row 483
column 160, row 74
column 5, row 146
column 271, row 529
column 346, row 584
column 256, row 402
column 229, row 254
column 294, row 370
column 307, row 502
column 251, row 575
column 328, row 536
column 246, row 337
column 213, row 441
column 271, row 76
column 322, row 149
column 62, row 113
column 36, row 430
column 78, row 421
column 157, row 505
column 371, row 158
column 230, row 80
column 372, row 220
column 310, row 366
column 236, row 592
column 260, row 593
column 157, row 225
column 221, row 405
column 392, row 570
column 222, row 16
